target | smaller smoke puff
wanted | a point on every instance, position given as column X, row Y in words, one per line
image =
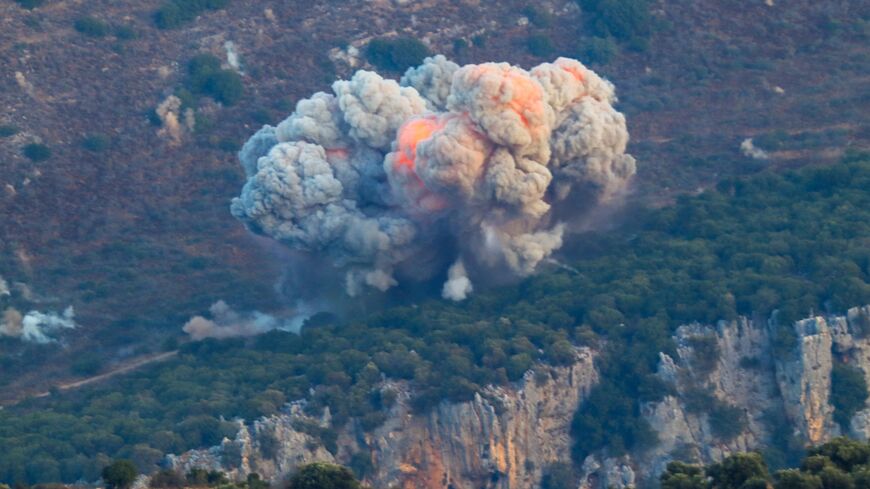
column 458, row 285
column 4, row 287
column 35, row 326
column 170, row 117
column 227, row 323
column 748, row 148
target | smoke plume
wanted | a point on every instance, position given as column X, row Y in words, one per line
column 462, row 165
column 227, row 323
column 35, row 326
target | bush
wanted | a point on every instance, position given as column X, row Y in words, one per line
column 626, row 20
column 397, row 54
column 125, row 32
column 30, row 4
column 540, row 45
column 167, row 479
column 320, row 475
column 7, row 130
column 177, row 12
column 538, row 16
column 96, row 142
column 37, row 152
column 726, row 421
column 848, row 392
column 599, row 50
column 88, row 365
column 205, row 77
column 120, row 474
column 559, row 476
column 705, row 353
column 92, row 27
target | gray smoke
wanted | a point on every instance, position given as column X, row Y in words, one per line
column 227, row 323
column 454, row 164
column 35, row 326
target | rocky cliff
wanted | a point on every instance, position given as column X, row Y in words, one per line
column 731, row 381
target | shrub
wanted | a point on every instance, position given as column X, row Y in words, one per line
column 205, row 77
column 30, row 4
column 7, row 130
column 96, row 142
column 626, row 20
column 125, row 32
column 559, row 475
column 397, row 54
column 167, row 479
column 726, row 421
column 321, row 475
column 705, row 353
column 177, row 12
column 37, row 152
column 537, row 16
column 600, row 50
column 87, row 365
column 848, row 392
column 540, row 45
column 91, row 27
column 120, row 474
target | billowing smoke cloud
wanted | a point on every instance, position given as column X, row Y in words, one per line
column 227, row 323
column 35, row 326
column 461, row 165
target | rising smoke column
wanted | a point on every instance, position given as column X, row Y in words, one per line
column 461, row 163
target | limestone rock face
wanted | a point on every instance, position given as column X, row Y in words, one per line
column 727, row 381
column 503, row 438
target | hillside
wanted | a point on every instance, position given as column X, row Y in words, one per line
column 772, row 246
column 132, row 228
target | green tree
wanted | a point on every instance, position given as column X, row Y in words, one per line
column 37, row 152
column 679, row 475
column 320, row 475
column 848, row 392
column 795, row 479
column 120, row 474
column 738, row 470
column 397, row 54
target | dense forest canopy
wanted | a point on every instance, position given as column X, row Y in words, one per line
column 782, row 245
column 839, row 464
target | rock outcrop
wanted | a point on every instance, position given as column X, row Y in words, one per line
column 503, row 438
column 729, row 381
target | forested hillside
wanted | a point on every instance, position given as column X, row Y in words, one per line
column 773, row 245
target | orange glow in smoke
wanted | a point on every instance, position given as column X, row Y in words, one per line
column 340, row 153
column 526, row 95
column 573, row 70
column 410, row 134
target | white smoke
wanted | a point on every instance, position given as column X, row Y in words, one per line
column 458, row 285
column 35, row 326
column 172, row 125
column 232, row 56
column 227, row 323
column 4, row 287
column 385, row 178
column 748, row 148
